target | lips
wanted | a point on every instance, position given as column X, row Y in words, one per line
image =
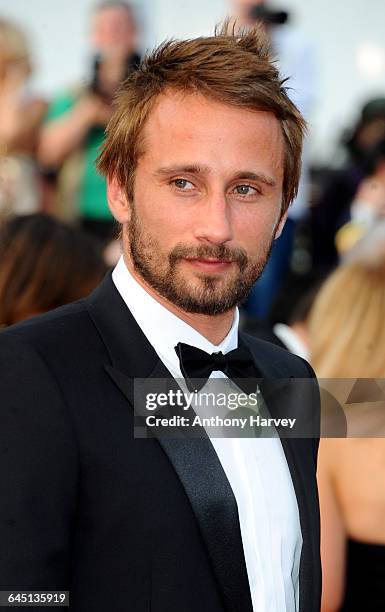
column 210, row 260
column 209, row 263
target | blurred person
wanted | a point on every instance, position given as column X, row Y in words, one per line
column 340, row 189
column 21, row 115
column 368, row 206
column 347, row 339
column 296, row 59
column 289, row 331
column 368, row 131
column 364, row 250
column 202, row 158
column 295, row 332
column 76, row 120
column 44, row 264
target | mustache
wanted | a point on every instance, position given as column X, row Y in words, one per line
column 220, row 252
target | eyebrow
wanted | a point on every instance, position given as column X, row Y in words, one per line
column 196, row 169
column 255, row 176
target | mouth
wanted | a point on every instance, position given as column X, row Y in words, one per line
column 209, row 264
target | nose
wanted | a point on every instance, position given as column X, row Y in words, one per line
column 214, row 221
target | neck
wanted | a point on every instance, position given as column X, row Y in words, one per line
column 213, row 328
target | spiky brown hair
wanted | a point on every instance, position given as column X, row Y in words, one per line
column 229, row 67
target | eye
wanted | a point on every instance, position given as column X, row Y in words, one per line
column 246, row 190
column 182, row 184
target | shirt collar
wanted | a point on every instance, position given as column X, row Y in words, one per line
column 163, row 328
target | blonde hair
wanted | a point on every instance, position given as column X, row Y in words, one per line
column 14, row 46
column 234, row 69
column 347, row 323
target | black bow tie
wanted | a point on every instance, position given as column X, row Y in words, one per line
column 196, row 364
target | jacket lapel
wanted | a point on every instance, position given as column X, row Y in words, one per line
column 282, row 400
column 194, row 460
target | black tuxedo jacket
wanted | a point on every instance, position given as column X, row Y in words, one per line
column 124, row 524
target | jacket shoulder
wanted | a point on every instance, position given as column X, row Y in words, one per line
column 278, row 360
column 51, row 329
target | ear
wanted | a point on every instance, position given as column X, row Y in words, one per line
column 280, row 226
column 118, row 201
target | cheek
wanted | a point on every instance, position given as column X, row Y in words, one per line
column 255, row 229
column 160, row 214
column 149, row 204
column 157, row 228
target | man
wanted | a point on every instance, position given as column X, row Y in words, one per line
column 202, row 158
column 76, row 120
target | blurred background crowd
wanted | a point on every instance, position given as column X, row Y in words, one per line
column 322, row 294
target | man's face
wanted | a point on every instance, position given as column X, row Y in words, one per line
column 207, row 201
column 113, row 31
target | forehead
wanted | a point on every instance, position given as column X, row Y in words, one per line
column 185, row 128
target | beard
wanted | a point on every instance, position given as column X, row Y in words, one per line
column 202, row 294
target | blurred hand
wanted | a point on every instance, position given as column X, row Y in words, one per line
column 60, row 137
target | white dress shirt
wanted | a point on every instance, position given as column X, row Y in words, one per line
column 255, row 468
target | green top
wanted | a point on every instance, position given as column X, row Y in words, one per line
column 91, row 197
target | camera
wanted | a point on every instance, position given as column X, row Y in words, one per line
column 260, row 12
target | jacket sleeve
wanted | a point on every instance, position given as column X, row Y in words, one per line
column 38, row 472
